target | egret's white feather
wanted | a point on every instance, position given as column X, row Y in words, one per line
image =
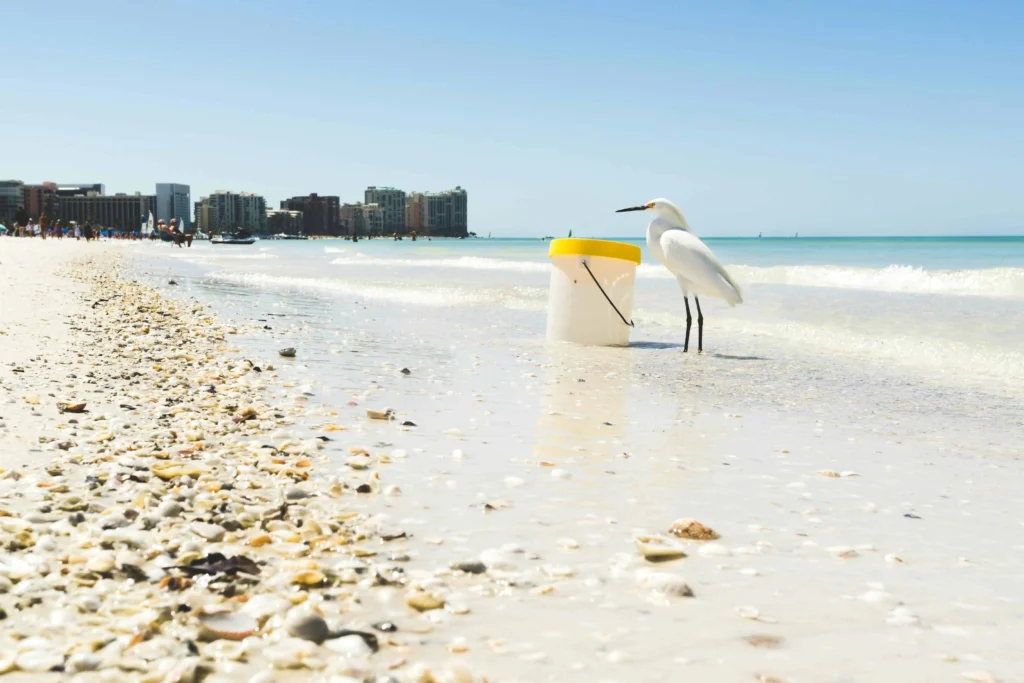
column 691, row 261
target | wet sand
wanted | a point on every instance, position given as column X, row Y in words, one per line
column 845, row 555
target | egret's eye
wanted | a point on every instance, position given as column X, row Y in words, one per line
column 650, row 206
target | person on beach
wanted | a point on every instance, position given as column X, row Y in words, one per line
column 88, row 231
column 20, row 221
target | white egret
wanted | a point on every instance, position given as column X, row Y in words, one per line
column 698, row 271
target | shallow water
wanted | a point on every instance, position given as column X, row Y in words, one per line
column 917, row 392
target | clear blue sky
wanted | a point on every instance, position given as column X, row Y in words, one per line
column 817, row 117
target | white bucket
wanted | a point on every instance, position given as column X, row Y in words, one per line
column 578, row 310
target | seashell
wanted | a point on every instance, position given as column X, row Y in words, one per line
column 458, row 646
column 663, row 582
column 101, row 563
column 828, row 473
column 350, row 646
column 764, row 640
column 262, row 607
column 979, row 676
column 227, row 625
column 80, row 662
column 309, row 577
column 292, row 653
column 558, row 570
column 658, row 549
column 901, row 616
column 288, row 352
column 211, row 532
column 748, row 612
column 38, row 661
column 894, row 559
column 227, row 650
column 259, row 540
column 422, row 601
column 358, row 462
column 71, row 407
column 844, row 551
column 693, row 530
column 387, row 414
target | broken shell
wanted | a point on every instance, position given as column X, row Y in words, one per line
column 663, row 582
column 658, row 549
column 287, row 353
column 828, row 473
column 423, row 601
column 228, row 625
column 380, row 414
column 310, row 577
column 693, row 530
column 71, row 407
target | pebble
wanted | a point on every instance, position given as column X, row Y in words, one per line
column 294, row 494
column 350, row 646
column 211, row 532
column 310, row 627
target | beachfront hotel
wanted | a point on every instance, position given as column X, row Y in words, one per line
column 225, row 211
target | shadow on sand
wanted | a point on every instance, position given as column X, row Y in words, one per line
column 672, row 345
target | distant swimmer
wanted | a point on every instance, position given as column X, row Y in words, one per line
column 758, row 235
column 695, row 267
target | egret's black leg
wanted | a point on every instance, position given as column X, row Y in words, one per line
column 689, row 321
column 700, row 326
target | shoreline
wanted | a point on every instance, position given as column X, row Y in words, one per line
column 175, row 525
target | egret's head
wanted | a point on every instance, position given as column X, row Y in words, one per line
column 662, row 208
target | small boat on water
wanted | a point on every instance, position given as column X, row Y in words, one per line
column 285, row 236
column 233, row 238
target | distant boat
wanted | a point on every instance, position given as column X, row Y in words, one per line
column 284, row 236
column 236, row 238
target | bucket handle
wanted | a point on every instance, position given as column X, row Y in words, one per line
column 607, row 298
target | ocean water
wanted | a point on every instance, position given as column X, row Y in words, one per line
column 952, row 307
column 916, row 331
column 899, row 359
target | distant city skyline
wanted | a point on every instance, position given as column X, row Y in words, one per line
column 817, row 118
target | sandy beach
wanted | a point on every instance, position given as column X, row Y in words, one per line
column 217, row 512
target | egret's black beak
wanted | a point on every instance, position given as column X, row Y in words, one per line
column 632, row 208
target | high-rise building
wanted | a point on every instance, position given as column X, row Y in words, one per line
column 284, row 221
column 10, row 200
column 392, row 203
column 40, row 199
column 350, row 217
column 173, row 201
column 414, row 212
column 119, row 211
column 225, row 211
column 441, row 213
column 459, row 213
column 374, row 219
column 320, row 214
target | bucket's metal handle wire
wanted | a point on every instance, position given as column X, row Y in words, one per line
column 607, row 298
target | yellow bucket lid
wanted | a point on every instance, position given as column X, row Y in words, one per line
column 574, row 246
